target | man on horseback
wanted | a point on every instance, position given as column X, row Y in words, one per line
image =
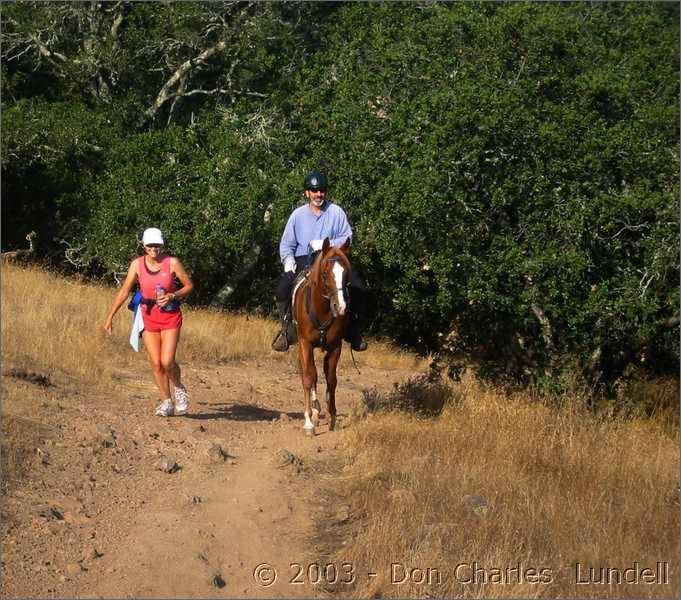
column 305, row 231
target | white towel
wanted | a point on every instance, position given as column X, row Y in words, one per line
column 137, row 328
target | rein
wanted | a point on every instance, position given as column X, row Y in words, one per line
column 322, row 327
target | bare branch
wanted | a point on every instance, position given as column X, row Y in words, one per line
column 645, row 281
column 594, row 363
column 167, row 90
column 18, row 55
column 118, row 20
column 223, row 91
column 72, row 254
column 46, row 52
column 178, row 96
column 547, row 334
column 626, row 227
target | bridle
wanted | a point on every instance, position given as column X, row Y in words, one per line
column 322, row 327
column 331, row 290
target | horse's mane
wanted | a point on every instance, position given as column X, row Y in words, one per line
column 331, row 252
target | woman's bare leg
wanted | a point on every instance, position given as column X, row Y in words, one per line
column 169, row 341
column 152, row 342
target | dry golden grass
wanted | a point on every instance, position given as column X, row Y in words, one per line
column 50, row 323
column 384, row 354
column 562, row 487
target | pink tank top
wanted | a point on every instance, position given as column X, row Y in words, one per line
column 148, row 279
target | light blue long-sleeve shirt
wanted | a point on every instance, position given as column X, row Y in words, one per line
column 304, row 226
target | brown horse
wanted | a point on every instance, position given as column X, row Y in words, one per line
column 320, row 312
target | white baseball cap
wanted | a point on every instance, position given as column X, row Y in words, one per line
column 152, row 236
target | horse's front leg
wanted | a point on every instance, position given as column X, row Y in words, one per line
column 314, row 402
column 330, row 364
column 309, row 377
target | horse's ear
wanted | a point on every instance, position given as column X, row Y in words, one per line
column 326, row 245
column 346, row 246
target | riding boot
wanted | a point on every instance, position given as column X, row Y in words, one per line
column 358, row 301
column 281, row 342
column 354, row 334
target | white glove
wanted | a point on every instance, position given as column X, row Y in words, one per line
column 316, row 244
column 290, row 264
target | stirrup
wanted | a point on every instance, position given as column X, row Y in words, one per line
column 359, row 345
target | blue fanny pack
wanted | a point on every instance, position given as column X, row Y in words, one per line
column 137, row 299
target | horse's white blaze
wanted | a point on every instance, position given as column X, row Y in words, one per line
column 338, row 276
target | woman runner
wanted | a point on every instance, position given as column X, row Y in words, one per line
column 156, row 272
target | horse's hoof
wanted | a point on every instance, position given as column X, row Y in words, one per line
column 309, row 432
column 332, row 425
column 315, row 417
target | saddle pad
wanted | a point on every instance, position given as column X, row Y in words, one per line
column 295, row 291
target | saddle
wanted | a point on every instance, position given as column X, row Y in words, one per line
column 298, row 280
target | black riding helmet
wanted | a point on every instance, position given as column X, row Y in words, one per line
column 315, row 181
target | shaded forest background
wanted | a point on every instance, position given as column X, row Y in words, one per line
column 511, row 170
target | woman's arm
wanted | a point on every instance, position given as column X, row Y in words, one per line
column 122, row 296
column 177, row 268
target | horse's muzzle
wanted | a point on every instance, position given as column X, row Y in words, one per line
column 338, row 308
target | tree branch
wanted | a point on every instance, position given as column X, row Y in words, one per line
column 547, row 334
column 167, row 90
column 223, row 91
column 118, row 20
column 45, row 52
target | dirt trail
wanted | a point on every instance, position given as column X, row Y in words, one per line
column 93, row 486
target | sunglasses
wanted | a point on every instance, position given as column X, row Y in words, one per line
column 153, row 245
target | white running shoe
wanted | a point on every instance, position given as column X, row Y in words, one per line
column 165, row 409
column 181, row 400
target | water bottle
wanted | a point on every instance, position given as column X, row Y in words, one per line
column 171, row 306
column 159, row 292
